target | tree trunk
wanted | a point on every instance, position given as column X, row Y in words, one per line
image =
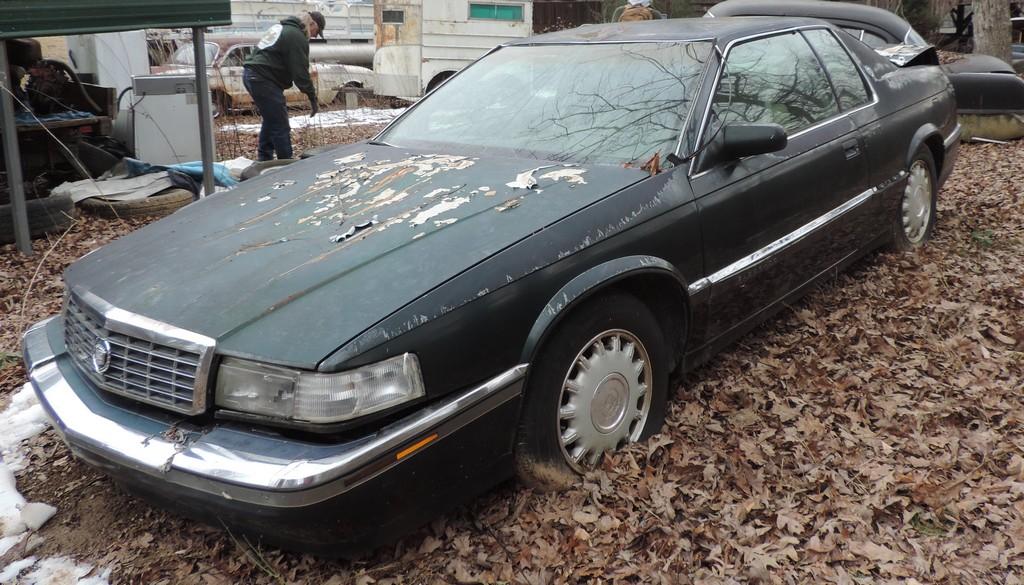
column 992, row 28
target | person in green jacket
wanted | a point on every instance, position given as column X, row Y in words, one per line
column 280, row 59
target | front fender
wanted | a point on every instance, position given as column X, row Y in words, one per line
column 586, row 284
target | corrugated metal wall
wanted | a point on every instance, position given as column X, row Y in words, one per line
column 40, row 18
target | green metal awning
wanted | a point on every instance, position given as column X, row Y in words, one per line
column 43, row 18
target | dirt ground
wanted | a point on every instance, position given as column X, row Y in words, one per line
column 871, row 433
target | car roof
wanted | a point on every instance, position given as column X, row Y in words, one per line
column 671, row 29
column 847, row 11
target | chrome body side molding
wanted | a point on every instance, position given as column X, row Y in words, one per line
column 791, row 238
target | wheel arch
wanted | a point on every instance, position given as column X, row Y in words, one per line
column 655, row 281
column 928, row 135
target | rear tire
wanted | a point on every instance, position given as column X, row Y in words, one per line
column 599, row 382
column 915, row 213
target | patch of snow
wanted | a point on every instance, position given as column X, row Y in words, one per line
column 337, row 118
column 53, row 571
column 8, row 542
column 23, row 418
column 11, row 502
column 11, row 571
column 35, row 514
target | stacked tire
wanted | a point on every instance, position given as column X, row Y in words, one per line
column 45, row 215
column 162, row 203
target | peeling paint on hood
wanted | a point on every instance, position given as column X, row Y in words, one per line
column 442, row 207
column 574, row 176
column 211, row 268
column 525, row 180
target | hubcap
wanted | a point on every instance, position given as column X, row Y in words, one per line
column 605, row 398
column 917, row 203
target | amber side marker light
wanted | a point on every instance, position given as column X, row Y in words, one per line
column 415, row 447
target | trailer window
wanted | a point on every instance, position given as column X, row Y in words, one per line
column 392, row 16
column 510, row 12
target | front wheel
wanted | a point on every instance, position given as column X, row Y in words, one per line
column 599, row 383
column 915, row 217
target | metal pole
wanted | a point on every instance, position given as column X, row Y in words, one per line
column 19, row 214
column 205, row 118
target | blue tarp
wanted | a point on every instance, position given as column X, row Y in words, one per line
column 221, row 175
column 27, row 119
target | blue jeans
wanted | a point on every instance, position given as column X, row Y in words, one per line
column 275, row 133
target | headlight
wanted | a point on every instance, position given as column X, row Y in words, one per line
column 318, row 398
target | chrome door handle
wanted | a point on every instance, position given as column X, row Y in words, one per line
column 851, row 148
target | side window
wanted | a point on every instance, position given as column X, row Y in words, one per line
column 856, row 33
column 482, row 11
column 874, row 41
column 235, row 57
column 392, row 16
column 845, row 76
column 774, row 80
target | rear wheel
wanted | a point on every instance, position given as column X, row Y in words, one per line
column 915, row 217
column 600, row 382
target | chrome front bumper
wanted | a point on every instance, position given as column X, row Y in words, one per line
column 228, row 460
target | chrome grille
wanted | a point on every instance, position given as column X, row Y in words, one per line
column 136, row 367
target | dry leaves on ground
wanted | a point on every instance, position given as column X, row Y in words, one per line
column 871, row 433
column 231, row 143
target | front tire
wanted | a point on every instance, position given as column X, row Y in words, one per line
column 915, row 215
column 599, row 383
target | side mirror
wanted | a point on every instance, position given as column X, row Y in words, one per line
column 740, row 140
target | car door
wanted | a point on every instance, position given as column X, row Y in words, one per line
column 228, row 74
column 857, row 102
column 773, row 222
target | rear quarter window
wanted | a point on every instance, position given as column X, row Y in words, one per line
column 845, row 75
column 875, row 65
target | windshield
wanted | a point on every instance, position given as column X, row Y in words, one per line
column 603, row 103
column 186, row 54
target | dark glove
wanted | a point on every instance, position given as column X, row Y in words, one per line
column 314, row 106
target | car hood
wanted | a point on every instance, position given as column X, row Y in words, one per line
column 290, row 266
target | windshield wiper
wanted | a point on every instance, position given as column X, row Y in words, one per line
column 380, row 143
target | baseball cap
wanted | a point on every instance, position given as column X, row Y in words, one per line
column 321, row 23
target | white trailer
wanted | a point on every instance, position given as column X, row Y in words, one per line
column 420, row 43
column 348, row 21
